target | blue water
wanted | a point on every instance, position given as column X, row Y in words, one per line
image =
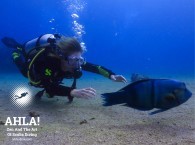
column 154, row 37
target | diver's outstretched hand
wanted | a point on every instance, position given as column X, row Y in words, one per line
column 118, row 78
column 86, row 93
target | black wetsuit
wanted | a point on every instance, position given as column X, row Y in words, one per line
column 48, row 69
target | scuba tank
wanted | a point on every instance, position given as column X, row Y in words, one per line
column 32, row 47
column 41, row 41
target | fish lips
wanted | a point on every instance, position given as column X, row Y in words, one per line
column 187, row 95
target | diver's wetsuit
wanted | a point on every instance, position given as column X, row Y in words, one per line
column 48, row 69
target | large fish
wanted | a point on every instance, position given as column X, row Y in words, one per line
column 150, row 93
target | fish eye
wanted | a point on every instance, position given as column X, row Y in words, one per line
column 178, row 91
column 170, row 97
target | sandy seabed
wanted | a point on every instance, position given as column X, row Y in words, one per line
column 87, row 122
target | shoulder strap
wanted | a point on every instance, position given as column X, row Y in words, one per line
column 38, row 41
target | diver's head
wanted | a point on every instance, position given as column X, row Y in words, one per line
column 69, row 45
column 70, row 53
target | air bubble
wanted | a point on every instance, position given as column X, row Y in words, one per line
column 75, row 7
column 75, row 16
column 52, row 20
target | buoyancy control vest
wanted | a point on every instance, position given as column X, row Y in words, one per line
column 34, row 49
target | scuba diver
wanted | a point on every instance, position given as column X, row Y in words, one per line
column 21, row 96
column 50, row 58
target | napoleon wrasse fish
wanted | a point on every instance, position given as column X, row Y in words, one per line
column 148, row 94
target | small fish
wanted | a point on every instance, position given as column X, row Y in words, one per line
column 148, row 94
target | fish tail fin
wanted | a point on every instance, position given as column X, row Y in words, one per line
column 110, row 99
column 10, row 42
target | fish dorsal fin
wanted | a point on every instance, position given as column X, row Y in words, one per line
column 134, row 83
column 140, row 81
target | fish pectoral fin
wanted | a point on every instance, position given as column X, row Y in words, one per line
column 157, row 111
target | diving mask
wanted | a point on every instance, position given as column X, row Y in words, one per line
column 75, row 61
column 74, row 64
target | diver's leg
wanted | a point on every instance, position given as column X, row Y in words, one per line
column 19, row 60
column 18, row 55
column 10, row 42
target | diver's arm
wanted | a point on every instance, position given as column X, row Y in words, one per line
column 58, row 90
column 97, row 69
